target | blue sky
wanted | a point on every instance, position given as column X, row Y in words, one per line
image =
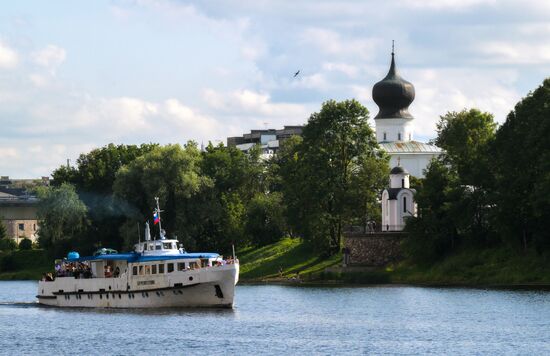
column 79, row 75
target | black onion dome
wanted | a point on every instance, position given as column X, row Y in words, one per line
column 393, row 95
column 399, row 170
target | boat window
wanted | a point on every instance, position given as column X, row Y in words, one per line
column 147, row 269
column 154, row 269
column 141, row 270
column 134, row 270
column 166, row 245
column 204, row 262
column 193, row 265
column 161, row 269
column 157, row 247
column 144, row 247
column 151, row 247
column 170, row 267
column 181, row 266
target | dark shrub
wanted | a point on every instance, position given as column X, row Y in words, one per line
column 25, row 244
column 7, row 244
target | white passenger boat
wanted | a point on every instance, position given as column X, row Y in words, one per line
column 156, row 274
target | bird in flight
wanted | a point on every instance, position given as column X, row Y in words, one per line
column 296, row 74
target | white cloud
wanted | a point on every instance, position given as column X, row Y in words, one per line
column 516, row 52
column 348, row 69
column 247, row 102
column 50, row 57
column 332, row 43
column 8, row 56
column 8, row 152
column 446, row 4
column 439, row 91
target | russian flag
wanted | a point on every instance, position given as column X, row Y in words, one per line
column 156, row 218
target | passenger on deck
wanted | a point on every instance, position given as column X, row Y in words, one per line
column 108, row 273
column 117, row 272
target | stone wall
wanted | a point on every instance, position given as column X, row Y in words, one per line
column 374, row 249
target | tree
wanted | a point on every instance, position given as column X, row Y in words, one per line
column 171, row 173
column 336, row 142
column 466, row 137
column 265, row 223
column 521, row 154
column 434, row 233
column 62, row 218
column 93, row 178
column 454, row 199
column 221, row 208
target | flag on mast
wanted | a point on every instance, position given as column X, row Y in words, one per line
column 156, row 217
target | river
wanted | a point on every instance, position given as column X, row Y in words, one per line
column 290, row 320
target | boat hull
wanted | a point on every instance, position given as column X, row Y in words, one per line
column 208, row 287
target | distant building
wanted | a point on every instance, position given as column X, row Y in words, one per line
column 394, row 124
column 397, row 201
column 269, row 140
column 18, row 207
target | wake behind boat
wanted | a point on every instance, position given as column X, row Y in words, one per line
column 156, row 274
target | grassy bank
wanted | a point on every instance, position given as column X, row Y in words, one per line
column 499, row 266
column 24, row 264
column 292, row 256
column 487, row 267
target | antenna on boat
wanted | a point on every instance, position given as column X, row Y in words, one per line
column 233, row 247
column 147, row 231
column 139, row 234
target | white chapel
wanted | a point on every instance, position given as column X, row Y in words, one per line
column 397, row 201
column 395, row 125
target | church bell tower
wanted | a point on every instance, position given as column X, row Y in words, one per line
column 393, row 95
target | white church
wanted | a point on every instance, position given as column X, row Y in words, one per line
column 394, row 133
column 395, row 125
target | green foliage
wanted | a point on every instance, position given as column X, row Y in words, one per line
column 25, row 244
column 434, row 232
column 454, row 198
column 171, row 173
column 498, row 265
column 335, row 168
column 94, row 178
column 521, row 155
column 7, row 244
column 465, row 137
column 3, row 230
column 62, row 218
column 24, row 264
column 265, row 223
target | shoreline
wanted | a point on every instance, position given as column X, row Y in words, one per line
column 20, row 276
column 339, row 283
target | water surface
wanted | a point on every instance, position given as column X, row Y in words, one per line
column 290, row 320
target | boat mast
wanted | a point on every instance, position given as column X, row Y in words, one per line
column 160, row 221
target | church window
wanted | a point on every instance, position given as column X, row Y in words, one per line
column 402, row 183
column 399, row 136
column 384, row 136
column 404, row 204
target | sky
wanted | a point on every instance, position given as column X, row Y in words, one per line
column 78, row 75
